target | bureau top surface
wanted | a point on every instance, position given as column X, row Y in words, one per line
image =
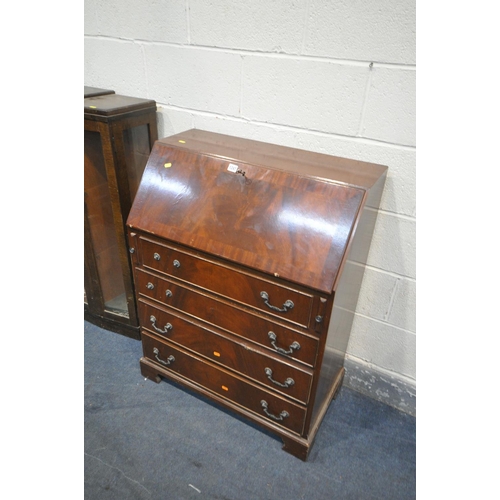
column 237, row 200
column 311, row 164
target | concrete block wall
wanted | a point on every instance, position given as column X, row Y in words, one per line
column 336, row 77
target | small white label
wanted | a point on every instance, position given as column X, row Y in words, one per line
column 232, row 167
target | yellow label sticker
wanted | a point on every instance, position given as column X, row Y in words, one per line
column 167, row 165
column 225, row 388
column 182, row 142
column 217, row 354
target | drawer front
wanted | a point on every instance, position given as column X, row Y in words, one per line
column 225, row 384
column 287, row 343
column 273, row 298
column 241, row 357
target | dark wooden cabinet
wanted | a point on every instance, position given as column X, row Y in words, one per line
column 248, row 260
column 95, row 91
column 119, row 134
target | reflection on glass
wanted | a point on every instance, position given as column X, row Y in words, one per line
column 100, row 218
column 136, row 141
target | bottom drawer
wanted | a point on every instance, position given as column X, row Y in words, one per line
column 225, row 384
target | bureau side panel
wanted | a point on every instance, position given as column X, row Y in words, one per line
column 344, row 304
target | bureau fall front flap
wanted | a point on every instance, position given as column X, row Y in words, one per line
column 277, row 222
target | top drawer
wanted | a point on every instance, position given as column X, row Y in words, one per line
column 273, row 298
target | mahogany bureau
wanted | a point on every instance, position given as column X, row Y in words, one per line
column 248, row 259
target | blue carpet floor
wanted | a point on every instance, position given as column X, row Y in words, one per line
column 158, row 441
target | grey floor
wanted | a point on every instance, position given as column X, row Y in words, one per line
column 158, row 441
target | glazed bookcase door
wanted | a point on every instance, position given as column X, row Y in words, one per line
column 137, row 147
column 104, row 245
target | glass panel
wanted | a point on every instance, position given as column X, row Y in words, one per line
column 102, row 229
column 137, row 150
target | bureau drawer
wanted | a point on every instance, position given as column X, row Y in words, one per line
column 273, row 372
column 287, row 343
column 225, row 384
column 273, row 298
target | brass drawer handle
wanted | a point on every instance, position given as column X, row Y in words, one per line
column 282, row 415
column 168, row 326
column 170, row 359
column 288, row 382
column 294, row 346
column 286, row 306
column 150, row 286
